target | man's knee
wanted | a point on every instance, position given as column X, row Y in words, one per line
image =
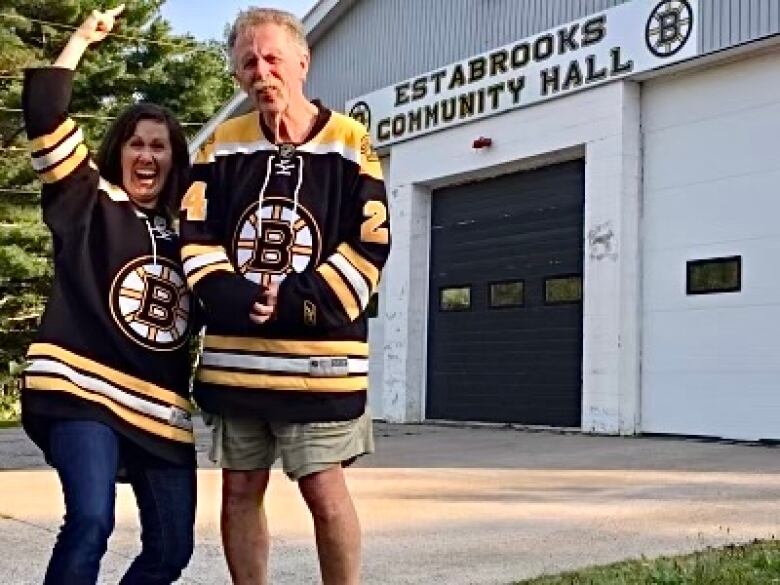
column 326, row 494
column 243, row 487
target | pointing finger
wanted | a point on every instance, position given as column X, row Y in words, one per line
column 116, row 11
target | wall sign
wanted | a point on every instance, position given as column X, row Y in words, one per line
column 628, row 39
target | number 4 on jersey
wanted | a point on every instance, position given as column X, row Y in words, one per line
column 194, row 202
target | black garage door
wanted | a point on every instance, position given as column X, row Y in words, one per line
column 505, row 330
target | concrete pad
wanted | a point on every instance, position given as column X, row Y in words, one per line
column 455, row 506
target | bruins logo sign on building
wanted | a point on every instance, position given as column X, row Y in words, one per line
column 285, row 240
column 151, row 304
column 669, row 27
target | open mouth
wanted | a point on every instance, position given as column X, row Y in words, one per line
column 145, row 178
column 266, row 91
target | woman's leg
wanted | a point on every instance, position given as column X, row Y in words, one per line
column 166, row 501
column 85, row 455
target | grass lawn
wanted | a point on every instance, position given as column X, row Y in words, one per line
column 757, row 563
column 7, row 424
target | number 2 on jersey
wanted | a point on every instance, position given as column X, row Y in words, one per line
column 371, row 231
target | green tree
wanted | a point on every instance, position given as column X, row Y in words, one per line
column 143, row 60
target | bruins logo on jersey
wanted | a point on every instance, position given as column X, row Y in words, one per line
column 151, row 304
column 289, row 242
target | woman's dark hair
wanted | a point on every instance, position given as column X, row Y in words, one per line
column 109, row 158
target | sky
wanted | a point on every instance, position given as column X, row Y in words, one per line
column 206, row 19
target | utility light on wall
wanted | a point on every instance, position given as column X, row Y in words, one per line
column 482, row 142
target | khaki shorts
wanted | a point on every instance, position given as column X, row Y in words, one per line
column 248, row 444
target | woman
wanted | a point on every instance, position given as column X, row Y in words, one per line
column 106, row 389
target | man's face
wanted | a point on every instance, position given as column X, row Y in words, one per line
column 270, row 67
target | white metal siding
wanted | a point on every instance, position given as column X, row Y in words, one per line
column 711, row 363
column 725, row 23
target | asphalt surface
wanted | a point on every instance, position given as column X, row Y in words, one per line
column 452, row 505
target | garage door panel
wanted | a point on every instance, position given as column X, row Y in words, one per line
column 711, row 363
column 513, row 364
column 523, row 337
column 694, row 341
column 553, row 239
column 724, row 88
column 542, row 238
column 494, row 190
column 748, row 149
column 665, row 271
column 691, row 407
column 725, row 210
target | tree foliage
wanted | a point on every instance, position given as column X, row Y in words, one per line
column 142, row 61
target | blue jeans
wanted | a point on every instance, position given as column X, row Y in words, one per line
column 86, row 456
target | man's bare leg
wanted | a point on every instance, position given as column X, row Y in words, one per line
column 336, row 526
column 244, row 527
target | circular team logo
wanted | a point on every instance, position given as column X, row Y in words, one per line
column 289, row 242
column 669, row 27
column 362, row 113
column 151, row 304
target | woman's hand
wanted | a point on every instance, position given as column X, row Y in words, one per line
column 98, row 25
column 94, row 29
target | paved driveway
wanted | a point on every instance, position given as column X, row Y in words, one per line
column 455, row 506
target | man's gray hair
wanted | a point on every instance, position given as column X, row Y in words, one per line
column 252, row 17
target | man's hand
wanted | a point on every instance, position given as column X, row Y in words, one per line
column 262, row 312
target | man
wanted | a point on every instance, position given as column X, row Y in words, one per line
column 286, row 231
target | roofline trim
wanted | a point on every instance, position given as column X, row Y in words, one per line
column 322, row 16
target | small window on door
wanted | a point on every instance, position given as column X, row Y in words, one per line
column 504, row 295
column 455, row 298
column 562, row 290
column 714, row 275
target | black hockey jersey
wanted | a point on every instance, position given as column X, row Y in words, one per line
column 112, row 345
column 312, row 217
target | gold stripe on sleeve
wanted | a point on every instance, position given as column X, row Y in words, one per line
column 67, row 166
column 341, row 290
column 368, row 270
column 195, row 277
column 54, row 138
column 192, row 250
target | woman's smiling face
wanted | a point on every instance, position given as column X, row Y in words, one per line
column 146, row 162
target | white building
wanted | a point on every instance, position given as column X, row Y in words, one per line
column 585, row 208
